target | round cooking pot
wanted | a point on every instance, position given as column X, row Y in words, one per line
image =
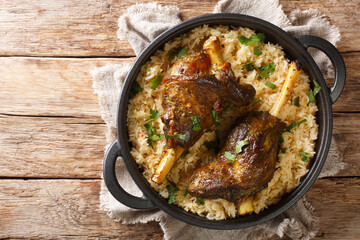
column 295, row 48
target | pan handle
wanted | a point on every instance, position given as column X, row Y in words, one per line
column 336, row 59
column 113, row 185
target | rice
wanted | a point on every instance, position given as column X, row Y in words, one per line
column 290, row 166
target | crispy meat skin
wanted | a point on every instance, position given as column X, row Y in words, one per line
column 252, row 169
column 192, row 89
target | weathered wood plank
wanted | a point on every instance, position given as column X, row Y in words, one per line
column 61, row 209
column 73, row 147
column 62, row 86
column 51, row 147
column 50, row 86
column 51, row 209
column 88, row 28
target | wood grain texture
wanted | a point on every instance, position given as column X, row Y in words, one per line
column 88, row 28
column 69, row 209
column 50, row 86
column 62, row 86
column 61, row 209
column 51, row 147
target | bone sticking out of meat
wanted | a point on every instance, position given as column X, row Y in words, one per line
column 198, row 86
column 238, row 173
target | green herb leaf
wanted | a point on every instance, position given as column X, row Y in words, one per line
column 239, row 146
column 297, row 101
column 305, row 155
column 283, row 150
column 136, row 88
column 181, row 136
column 311, row 96
column 149, row 142
column 281, row 138
column 153, row 115
column 229, row 107
column 255, row 101
column 270, row 85
column 153, row 135
column 173, row 185
column 200, row 201
column 196, row 123
column 254, row 38
column 143, row 69
column 172, row 196
column 317, row 88
column 186, row 192
column 184, row 154
column 180, row 51
column 301, row 121
column 215, row 117
column 230, row 156
column 249, row 66
column 291, row 126
column 267, row 69
column 156, row 82
column 257, row 51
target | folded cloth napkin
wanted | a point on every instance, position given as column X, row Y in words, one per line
column 141, row 24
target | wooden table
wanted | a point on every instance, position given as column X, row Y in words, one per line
column 52, row 137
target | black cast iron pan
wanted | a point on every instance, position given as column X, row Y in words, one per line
column 295, row 48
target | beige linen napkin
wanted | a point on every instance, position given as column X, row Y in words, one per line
column 140, row 25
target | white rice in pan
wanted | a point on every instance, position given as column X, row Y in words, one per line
column 290, row 166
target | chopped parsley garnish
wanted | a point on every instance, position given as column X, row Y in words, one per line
column 283, row 150
column 200, row 201
column 229, row 107
column 181, row 136
column 186, row 192
column 153, row 115
column 249, row 66
column 239, row 146
column 267, row 69
column 317, row 88
column 184, row 154
column 180, row 51
column 291, row 126
column 305, row 156
column 153, row 135
column 215, row 117
column 196, row 123
column 301, row 121
column 257, row 51
column 172, row 195
column 173, row 184
column 230, row 156
column 270, row 85
column 136, row 88
column 156, row 82
column 255, row 101
column 297, row 101
column 311, row 96
column 281, row 138
column 254, row 38
column 312, row 93
column 143, row 69
column 210, row 145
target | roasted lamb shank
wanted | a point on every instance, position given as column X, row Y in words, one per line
column 250, row 170
column 197, row 91
column 247, row 162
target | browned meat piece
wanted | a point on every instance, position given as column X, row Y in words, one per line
column 252, row 168
column 198, row 85
column 189, row 96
